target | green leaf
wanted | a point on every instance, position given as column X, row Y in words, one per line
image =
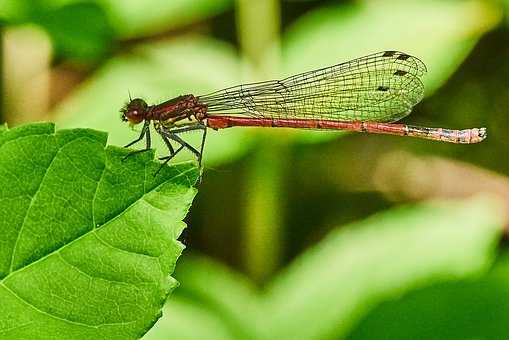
column 505, row 3
column 157, row 72
column 134, row 18
column 187, row 320
column 13, row 11
column 325, row 292
column 212, row 300
column 331, row 287
column 219, row 289
column 474, row 309
column 141, row 17
column 88, row 240
column 87, row 41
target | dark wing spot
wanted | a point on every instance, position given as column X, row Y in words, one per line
column 383, row 88
column 400, row 73
column 388, row 53
column 403, row 56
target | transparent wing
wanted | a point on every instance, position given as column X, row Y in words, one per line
column 379, row 87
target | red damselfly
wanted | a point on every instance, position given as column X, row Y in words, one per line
column 366, row 94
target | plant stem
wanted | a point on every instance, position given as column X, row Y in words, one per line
column 264, row 204
column 258, row 29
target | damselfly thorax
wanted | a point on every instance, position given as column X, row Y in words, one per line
column 167, row 113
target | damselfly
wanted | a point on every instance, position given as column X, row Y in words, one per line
column 366, row 94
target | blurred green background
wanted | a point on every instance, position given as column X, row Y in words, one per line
column 299, row 234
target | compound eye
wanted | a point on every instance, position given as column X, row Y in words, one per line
column 135, row 111
column 138, row 103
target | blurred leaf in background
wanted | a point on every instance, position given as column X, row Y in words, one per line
column 129, row 18
column 467, row 309
column 80, row 31
column 135, row 18
column 327, row 290
column 323, row 294
column 226, row 301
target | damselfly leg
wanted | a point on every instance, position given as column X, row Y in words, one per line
column 173, row 134
column 145, row 132
column 169, row 135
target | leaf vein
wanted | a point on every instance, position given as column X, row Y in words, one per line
column 106, row 243
column 31, row 204
column 95, row 195
column 92, row 276
column 42, row 311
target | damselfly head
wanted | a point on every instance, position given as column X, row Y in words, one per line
column 135, row 111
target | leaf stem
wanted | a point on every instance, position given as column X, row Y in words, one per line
column 258, row 28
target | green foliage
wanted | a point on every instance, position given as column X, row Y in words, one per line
column 79, row 30
column 185, row 320
column 211, row 301
column 88, row 240
column 139, row 18
column 326, row 292
column 85, row 30
column 471, row 309
column 88, row 41
column 506, row 4
column 381, row 258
